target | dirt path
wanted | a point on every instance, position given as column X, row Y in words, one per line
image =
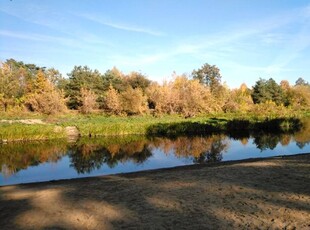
column 24, row 121
column 264, row 194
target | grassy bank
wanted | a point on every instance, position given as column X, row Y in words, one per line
column 177, row 125
column 24, row 132
column 99, row 125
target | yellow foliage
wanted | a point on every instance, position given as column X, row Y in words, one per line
column 88, row 99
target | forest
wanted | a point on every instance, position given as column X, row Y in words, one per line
column 28, row 88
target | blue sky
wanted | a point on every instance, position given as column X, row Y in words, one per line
column 245, row 39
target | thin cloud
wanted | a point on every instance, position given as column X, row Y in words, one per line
column 54, row 21
column 121, row 26
column 40, row 38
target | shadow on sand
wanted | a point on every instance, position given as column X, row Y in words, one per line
column 271, row 193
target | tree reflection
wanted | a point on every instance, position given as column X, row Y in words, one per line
column 214, row 154
column 17, row 156
column 88, row 157
column 200, row 149
column 303, row 136
column 85, row 162
column 266, row 141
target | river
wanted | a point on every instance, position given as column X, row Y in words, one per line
column 53, row 160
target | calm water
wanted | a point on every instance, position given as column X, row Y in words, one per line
column 44, row 161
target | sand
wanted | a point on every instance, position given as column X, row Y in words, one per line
column 271, row 193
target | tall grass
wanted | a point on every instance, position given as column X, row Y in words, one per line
column 22, row 132
column 101, row 125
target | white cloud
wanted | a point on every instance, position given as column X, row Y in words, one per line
column 120, row 26
column 39, row 37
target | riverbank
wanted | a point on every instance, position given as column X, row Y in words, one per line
column 99, row 125
column 253, row 194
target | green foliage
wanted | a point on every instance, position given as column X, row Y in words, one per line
column 208, row 75
column 267, row 90
column 82, row 77
column 115, row 78
column 301, row 81
column 138, row 80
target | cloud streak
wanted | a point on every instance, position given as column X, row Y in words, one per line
column 36, row 37
column 120, row 26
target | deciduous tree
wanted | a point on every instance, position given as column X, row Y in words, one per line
column 112, row 102
column 208, row 75
column 43, row 97
column 88, row 101
column 133, row 101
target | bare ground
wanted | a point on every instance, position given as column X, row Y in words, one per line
column 24, row 121
column 255, row 194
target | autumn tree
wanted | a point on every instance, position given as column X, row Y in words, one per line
column 88, row 101
column 160, row 98
column 239, row 100
column 43, row 97
column 112, row 101
column 192, row 97
column 133, row 101
column 300, row 96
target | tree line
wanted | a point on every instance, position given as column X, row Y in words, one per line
column 28, row 87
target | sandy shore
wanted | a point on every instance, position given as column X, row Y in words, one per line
column 255, row 194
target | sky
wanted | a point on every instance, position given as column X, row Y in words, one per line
column 246, row 40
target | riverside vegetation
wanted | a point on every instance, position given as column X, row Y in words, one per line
column 116, row 104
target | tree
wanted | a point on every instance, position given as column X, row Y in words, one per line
column 301, row 81
column 43, row 97
column 55, row 77
column 208, row 75
column 161, row 99
column 192, row 96
column 138, row 80
column 88, row 101
column 133, row 101
column 239, row 100
column 9, row 86
column 112, row 103
column 82, row 77
column 115, row 78
column 300, row 96
column 269, row 90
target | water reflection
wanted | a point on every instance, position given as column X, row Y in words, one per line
column 89, row 155
column 199, row 149
column 18, row 156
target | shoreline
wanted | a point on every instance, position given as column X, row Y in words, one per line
column 253, row 193
column 168, row 169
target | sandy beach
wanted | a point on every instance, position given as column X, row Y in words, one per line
column 269, row 193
